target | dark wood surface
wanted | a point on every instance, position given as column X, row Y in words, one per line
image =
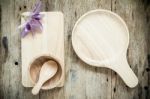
column 82, row 81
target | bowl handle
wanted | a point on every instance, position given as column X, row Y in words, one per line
column 122, row 68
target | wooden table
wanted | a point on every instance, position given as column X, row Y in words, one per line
column 82, row 80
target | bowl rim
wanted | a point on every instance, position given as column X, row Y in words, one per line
column 103, row 62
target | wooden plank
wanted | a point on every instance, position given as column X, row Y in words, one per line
column 134, row 14
column 10, row 80
column 82, row 80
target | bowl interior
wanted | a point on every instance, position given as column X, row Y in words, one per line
column 100, row 36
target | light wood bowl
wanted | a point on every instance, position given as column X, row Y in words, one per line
column 101, row 38
column 35, row 68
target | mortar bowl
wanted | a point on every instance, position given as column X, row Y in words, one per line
column 35, row 67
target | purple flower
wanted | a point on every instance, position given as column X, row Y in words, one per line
column 33, row 23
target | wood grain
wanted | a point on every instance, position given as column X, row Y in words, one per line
column 37, row 49
column 82, row 81
column 101, row 38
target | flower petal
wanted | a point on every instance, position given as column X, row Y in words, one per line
column 37, row 7
column 24, row 32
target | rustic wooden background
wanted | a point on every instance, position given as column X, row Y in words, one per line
column 82, row 80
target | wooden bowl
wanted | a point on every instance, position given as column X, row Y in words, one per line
column 101, row 38
column 35, row 67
